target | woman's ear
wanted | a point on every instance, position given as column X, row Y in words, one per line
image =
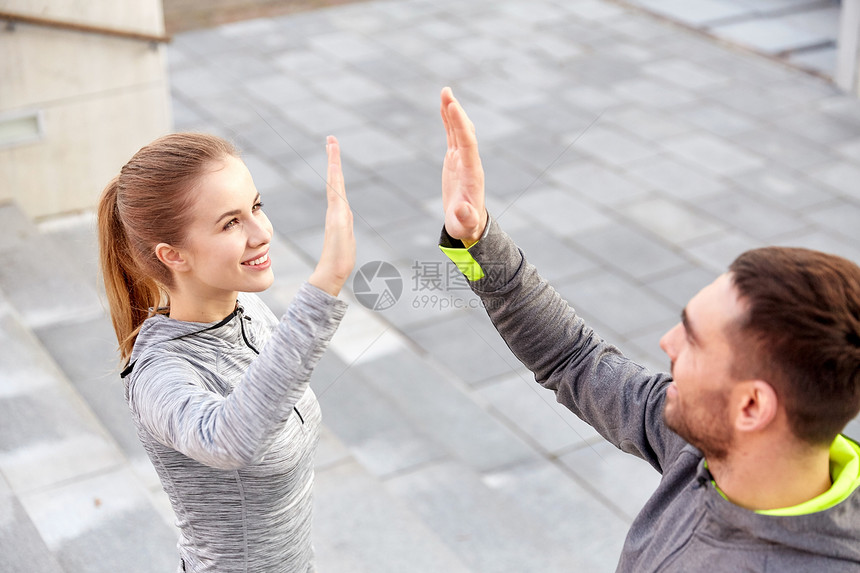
column 173, row 258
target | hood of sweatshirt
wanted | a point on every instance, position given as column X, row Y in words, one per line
column 828, row 526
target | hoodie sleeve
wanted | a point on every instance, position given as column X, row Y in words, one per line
column 167, row 396
column 619, row 398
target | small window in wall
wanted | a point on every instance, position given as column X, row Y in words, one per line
column 20, row 127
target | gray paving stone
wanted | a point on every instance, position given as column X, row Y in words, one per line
column 654, row 93
column 534, row 412
column 53, row 291
column 624, row 307
column 278, row 90
column 486, row 358
column 445, row 413
column 716, row 255
column 321, row 118
column 103, row 523
column 561, row 213
column 676, row 178
column 633, row 252
column 709, row 152
column 359, row 527
column 839, row 175
column 539, row 152
column 645, row 123
column 623, row 50
column 605, row 71
column 369, row 424
column 716, row 118
column 750, row 99
column 685, row 74
column 499, row 93
column 622, row 480
column 788, row 188
column 755, row 218
column 560, row 505
column 598, row 183
column 840, row 216
column 21, row 548
column 842, row 107
column 95, row 377
column 509, row 179
column 554, row 259
column 672, row 222
column 589, row 97
column 477, row 524
column 850, row 150
column 822, row 130
column 613, row 146
column 783, row 148
column 344, row 45
column 379, row 204
column 679, row 288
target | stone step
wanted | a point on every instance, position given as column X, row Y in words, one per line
column 75, row 502
column 40, row 279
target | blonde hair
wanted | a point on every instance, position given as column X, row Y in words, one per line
column 146, row 204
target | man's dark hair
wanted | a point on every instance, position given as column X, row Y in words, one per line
column 801, row 334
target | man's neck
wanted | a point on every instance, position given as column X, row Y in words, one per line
column 773, row 478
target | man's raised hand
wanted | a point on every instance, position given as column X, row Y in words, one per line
column 462, row 175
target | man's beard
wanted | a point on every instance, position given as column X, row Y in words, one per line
column 708, row 429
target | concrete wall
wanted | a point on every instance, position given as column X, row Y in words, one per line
column 99, row 98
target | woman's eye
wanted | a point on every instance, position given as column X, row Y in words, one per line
column 231, row 223
column 257, row 206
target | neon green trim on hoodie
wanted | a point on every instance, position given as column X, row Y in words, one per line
column 844, row 471
column 465, row 262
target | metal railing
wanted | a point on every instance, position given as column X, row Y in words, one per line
column 13, row 19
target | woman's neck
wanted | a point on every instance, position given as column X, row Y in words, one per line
column 201, row 308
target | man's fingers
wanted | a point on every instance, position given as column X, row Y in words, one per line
column 443, row 110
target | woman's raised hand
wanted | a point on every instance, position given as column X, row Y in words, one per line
column 338, row 253
column 462, row 175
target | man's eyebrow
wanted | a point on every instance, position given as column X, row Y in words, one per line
column 234, row 212
column 685, row 320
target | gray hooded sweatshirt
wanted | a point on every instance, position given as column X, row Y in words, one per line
column 687, row 525
column 226, row 416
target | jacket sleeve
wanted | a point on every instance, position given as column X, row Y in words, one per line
column 620, row 399
column 169, row 400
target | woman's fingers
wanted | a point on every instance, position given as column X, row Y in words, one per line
column 334, row 177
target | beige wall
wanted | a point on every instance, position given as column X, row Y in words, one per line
column 100, row 99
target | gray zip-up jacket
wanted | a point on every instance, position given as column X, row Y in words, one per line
column 226, row 416
column 686, row 525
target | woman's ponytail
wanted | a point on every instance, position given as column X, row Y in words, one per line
column 130, row 293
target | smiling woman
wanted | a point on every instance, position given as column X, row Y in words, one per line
column 217, row 385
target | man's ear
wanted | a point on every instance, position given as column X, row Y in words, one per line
column 756, row 405
column 173, row 258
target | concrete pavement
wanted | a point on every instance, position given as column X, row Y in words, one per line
column 631, row 159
